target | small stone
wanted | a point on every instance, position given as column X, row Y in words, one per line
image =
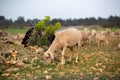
column 96, row 78
column 6, row 74
column 48, row 77
column 20, row 64
column 39, row 50
column 10, row 62
column 46, row 72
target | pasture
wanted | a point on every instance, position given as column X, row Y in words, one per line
column 95, row 63
column 16, row 30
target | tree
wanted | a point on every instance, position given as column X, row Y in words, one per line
column 20, row 22
column 35, row 20
column 2, row 20
column 8, row 23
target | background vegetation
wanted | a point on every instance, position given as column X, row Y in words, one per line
column 111, row 21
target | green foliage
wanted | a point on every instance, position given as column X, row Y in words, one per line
column 47, row 19
column 43, row 40
column 41, row 24
column 48, row 30
column 57, row 26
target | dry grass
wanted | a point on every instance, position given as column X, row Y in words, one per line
column 95, row 63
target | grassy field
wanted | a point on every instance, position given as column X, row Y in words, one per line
column 24, row 30
column 16, row 30
column 94, row 64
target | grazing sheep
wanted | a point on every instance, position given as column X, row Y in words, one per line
column 63, row 39
column 87, row 36
column 113, row 36
column 93, row 32
column 117, row 33
column 101, row 37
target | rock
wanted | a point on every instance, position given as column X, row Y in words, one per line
column 12, row 70
column 33, row 47
column 96, row 78
column 5, row 54
column 17, row 42
column 39, row 50
column 48, row 77
column 29, row 75
column 6, row 74
column 48, row 60
column 45, row 72
column 14, row 54
column 38, row 67
column 2, row 60
column 20, row 64
column 50, row 69
column 81, row 74
column 10, row 62
column 26, row 60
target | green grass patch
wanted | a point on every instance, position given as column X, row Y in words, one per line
column 16, row 30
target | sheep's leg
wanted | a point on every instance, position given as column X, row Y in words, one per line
column 77, row 54
column 77, row 57
column 63, row 57
column 98, row 44
column 97, row 41
column 107, row 43
column 70, row 57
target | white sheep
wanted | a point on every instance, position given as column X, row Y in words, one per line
column 93, row 32
column 63, row 39
column 102, row 37
column 87, row 36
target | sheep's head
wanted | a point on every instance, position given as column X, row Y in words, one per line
column 48, row 54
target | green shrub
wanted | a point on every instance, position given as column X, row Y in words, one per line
column 41, row 24
column 45, row 31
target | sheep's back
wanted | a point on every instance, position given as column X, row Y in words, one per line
column 69, row 36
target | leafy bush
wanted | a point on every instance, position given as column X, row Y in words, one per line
column 41, row 24
column 45, row 31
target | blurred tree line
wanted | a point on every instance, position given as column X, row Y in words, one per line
column 112, row 21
